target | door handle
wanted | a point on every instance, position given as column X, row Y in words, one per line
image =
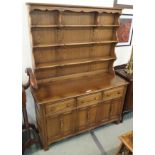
column 61, row 123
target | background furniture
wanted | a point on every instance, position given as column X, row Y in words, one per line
column 126, row 147
column 73, row 49
column 27, row 127
column 126, row 72
column 128, row 105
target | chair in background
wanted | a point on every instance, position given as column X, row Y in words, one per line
column 27, row 127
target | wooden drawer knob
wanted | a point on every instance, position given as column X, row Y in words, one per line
column 61, row 123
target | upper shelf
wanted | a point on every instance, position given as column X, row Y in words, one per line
column 72, row 26
column 72, row 62
column 75, row 44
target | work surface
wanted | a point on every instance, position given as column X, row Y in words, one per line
column 70, row 88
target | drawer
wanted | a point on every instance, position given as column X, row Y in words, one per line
column 68, row 104
column 113, row 93
column 89, row 99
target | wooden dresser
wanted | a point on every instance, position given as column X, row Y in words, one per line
column 73, row 50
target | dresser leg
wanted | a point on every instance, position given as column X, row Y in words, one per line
column 45, row 147
column 118, row 121
column 121, row 120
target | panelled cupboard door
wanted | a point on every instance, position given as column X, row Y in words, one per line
column 92, row 115
column 103, row 111
column 82, row 117
column 87, row 117
column 61, row 125
column 68, row 123
column 116, row 108
column 54, row 127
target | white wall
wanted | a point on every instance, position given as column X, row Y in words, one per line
column 122, row 53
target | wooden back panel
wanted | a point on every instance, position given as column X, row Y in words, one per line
column 54, row 36
column 69, row 40
column 50, row 54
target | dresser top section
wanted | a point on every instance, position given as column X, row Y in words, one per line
column 73, row 49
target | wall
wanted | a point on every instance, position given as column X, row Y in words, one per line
column 122, row 53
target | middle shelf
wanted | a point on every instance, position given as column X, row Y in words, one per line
column 72, row 62
column 75, row 44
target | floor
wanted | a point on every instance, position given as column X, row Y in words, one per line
column 101, row 141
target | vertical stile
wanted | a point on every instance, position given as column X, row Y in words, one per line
column 96, row 22
column 114, row 37
column 76, row 115
column 59, row 18
column 61, row 124
column 96, row 19
column 31, row 37
column 59, row 33
column 116, row 22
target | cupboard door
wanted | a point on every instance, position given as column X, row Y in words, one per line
column 53, row 128
column 82, row 115
column 92, row 115
column 103, row 112
column 116, row 108
column 68, row 123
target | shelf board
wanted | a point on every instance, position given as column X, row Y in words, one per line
column 75, row 44
column 63, row 26
column 72, row 62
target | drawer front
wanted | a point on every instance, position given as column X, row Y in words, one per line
column 113, row 93
column 68, row 104
column 88, row 99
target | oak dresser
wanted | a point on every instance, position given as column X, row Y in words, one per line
column 73, row 82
